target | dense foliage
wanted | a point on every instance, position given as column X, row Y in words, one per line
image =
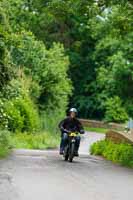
column 5, row 143
column 118, row 153
column 33, row 79
column 55, row 54
column 97, row 36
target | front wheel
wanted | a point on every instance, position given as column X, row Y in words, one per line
column 66, row 156
column 71, row 154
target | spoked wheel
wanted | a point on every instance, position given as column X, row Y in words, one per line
column 71, row 153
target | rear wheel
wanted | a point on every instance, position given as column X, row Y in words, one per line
column 71, row 154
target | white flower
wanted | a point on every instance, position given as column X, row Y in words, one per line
column 34, row 12
column 26, row 8
column 1, row 110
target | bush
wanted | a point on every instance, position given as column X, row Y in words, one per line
column 98, row 148
column 5, row 143
column 19, row 115
column 28, row 114
column 3, row 115
column 121, row 153
column 115, row 112
column 15, row 119
column 12, row 90
column 118, row 153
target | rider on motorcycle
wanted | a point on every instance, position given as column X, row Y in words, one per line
column 68, row 125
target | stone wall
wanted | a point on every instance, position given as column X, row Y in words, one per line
column 100, row 124
column 119, row 137
column 116, row 132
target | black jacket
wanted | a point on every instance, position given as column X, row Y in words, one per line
column 71, row 124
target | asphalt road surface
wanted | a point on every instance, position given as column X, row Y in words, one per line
column 44, row 175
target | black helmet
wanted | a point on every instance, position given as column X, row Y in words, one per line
column 73, row 110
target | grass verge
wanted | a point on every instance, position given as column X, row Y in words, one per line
column 4, row 151
column 97, row 130
column 35, row 141
column 5, row 144
column 118, row 153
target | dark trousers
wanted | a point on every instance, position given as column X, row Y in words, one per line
column 64, row 140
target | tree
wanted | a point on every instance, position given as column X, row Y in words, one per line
column 6, row 71
column 48, row 68
column 113, row 54
column 97, row 38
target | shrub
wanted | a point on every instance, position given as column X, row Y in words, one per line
column 28, row 113
column 12, row 90
column 121, row 153
column 19, row 115
column 118, row 153
column 98, row 148
column 115, row 111
column 3, row 115
column 17, row 111
column 4, row 138
column 5, row 143
column 15, row 119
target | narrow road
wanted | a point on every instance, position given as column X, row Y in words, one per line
column 39, row 175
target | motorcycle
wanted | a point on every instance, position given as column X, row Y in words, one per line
column 69, row 151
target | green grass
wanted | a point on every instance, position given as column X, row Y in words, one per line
column 5, row 145
column 97, row 130
column 30, row 141
column 4, row 151
column 35, row 141
column 118, row 153
column 48, row 138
